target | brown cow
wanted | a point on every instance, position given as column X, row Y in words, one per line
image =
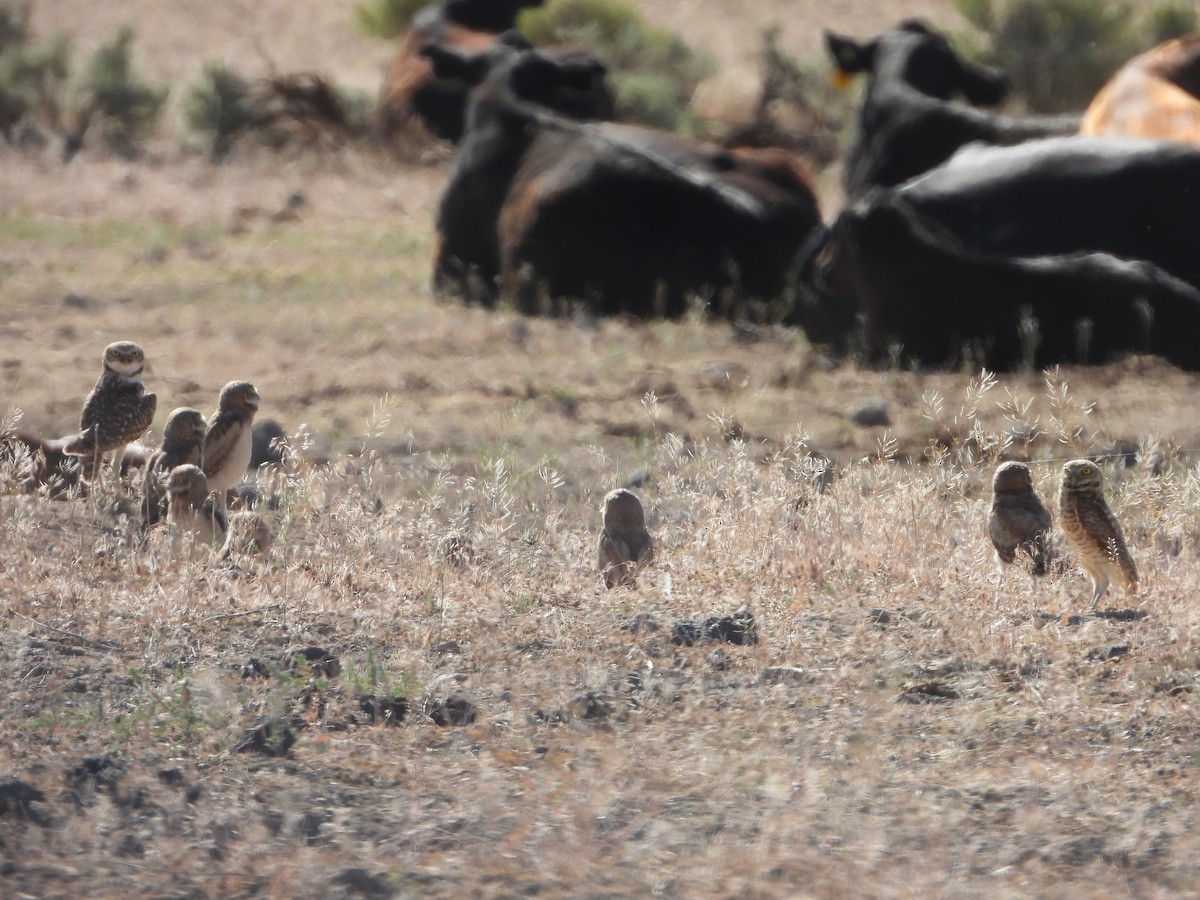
column 1155, row 95
column 411, row 88
column 635, row 219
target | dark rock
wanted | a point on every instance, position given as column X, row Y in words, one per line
column 255, row 668
column 322, row 663
column 386, row 710
column 269, row 736
column 686, row 633
column 15, row 799
column 361, row 883
column 784, row 675
column 453, row 710
column 171, row 777
column 871, row 415
column 720, row 660
column 589, row 706
column 1100, row 654
column 736, row 629
column 309, row 825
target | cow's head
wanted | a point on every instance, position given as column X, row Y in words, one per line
column 513, row 72
column 915, row 56
column 486, row 15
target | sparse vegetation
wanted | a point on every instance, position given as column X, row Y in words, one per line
column 1060, row 52
column 654, row 72
column 386, row 19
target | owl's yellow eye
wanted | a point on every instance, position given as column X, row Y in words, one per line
column 1087, row 470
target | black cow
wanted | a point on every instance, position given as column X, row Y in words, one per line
column 907, row 123
column 1133, row 199
column 916, row 288
column 410, row 87
column 634, row 219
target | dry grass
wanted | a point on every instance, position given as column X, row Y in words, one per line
column 912, row 721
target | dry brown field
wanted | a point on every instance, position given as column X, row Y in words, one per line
column 911, row 720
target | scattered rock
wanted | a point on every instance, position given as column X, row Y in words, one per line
column 784, row 675
column 356, row 882
column 872, row 415
column 719, row 660
column 686, row 633
column 637, row 479
column 446, row 648
column 879, row 616
column 589, row 706
column 171, row 777
column 1100, row 654
column 926, row 692
column 642, row 623
column 322, row 663
column 309, row 825
column 95, row 773
column 15, row 797
column 385, row 710
column 255, row 668
column 736, row 629
column 270, row 736
column 453, row 710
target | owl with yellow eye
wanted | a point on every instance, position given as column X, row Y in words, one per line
column 1093, row 532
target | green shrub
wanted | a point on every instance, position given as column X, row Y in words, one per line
column 655, row 72
column 1060, row 52
column 126, row 107
column 386, row 18
column 1171, row 20
column 219, row 108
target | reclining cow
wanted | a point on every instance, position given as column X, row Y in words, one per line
column 1133, row 199
column 908, row 123
column 922, row 296
column 411, row 88
column 635, row 220
column 1155, row 95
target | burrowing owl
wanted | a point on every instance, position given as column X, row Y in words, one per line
column 182, row 444
column 1018, row 520
column 248, row 534
column 229, row 441
column 624, row 545
column 117, row 411
column 1092, row 530
column 189, row 507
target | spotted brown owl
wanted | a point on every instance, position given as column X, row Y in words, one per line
column 1018, row 522
column 118, row 410
column 190, row 508
column 182, row 444
column 230, row 440
column 1092, row 530
column 624, row 544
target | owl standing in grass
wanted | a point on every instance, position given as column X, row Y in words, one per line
column 1092, row 530
column 117, row 412
column 230, row 440
column 182, row 444
column 1019, row 522
column 624, row 545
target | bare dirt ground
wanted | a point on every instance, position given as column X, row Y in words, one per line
column 904, row 719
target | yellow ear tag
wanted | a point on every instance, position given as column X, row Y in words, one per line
column 841, row 78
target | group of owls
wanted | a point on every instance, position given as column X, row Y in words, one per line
column 186, row 479
column 1019, row 523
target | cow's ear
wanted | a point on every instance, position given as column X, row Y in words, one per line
column 848, row 55
column 449, row 63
